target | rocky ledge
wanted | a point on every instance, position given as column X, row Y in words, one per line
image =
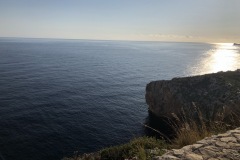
column 218, row 147
column 214, row 95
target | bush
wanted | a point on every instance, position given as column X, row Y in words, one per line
column 142, row 148
column 138, row 147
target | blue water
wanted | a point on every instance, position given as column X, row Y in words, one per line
column 61, row 96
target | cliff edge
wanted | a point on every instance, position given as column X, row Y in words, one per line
column 214, row 95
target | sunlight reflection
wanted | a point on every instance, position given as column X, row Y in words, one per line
column 224, row 57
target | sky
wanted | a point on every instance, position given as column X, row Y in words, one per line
column 147, row 20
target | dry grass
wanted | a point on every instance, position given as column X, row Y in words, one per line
column 190, row 129
column 189, row 135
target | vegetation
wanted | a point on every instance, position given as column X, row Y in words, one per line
column 142, row 148
column 188, row 130
column 191, row 129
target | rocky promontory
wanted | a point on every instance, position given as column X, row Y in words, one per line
column 213, row 95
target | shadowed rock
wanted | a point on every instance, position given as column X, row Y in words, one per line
column 215, row 95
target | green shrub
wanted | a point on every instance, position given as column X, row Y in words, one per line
column 138, row 147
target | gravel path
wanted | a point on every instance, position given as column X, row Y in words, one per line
column 218, row 147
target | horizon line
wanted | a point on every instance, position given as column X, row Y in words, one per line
column 99, row 39
column 127, row 40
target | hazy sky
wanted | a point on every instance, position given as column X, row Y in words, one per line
column 165, row 20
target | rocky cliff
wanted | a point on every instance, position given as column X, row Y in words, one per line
column 214, row 95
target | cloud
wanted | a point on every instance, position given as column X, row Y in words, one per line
column 155, row 37
column 171, row 36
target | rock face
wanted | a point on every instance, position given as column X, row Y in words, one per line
column 214, row 95
column 221, row 146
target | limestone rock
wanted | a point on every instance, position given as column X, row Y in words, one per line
column 192, row 156
column 215, row 95
column 208, row 149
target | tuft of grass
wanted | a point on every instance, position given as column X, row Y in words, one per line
column 190, row 129
column 189, row 134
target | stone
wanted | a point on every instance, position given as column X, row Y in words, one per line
column 187, row 148
column 232, row 156
column 224, row 135
column 235, row 131
column 211, row 148
column 235, row 145
column 237, row 135
column 178, row 152
column 192, row 156
column 206, row 152
column 230, row 151
column 228, row 139
column 166, row 157
column 222, row 144
column 204, row 141
column 196, row 146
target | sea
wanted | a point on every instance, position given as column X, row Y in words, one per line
column 61, row 97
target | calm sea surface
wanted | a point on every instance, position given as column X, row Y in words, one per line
column 60, row 96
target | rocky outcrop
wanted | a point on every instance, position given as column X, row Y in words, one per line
column 214, row 95
column 218, row 147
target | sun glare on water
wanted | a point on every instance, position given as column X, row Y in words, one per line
column 224, row 57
